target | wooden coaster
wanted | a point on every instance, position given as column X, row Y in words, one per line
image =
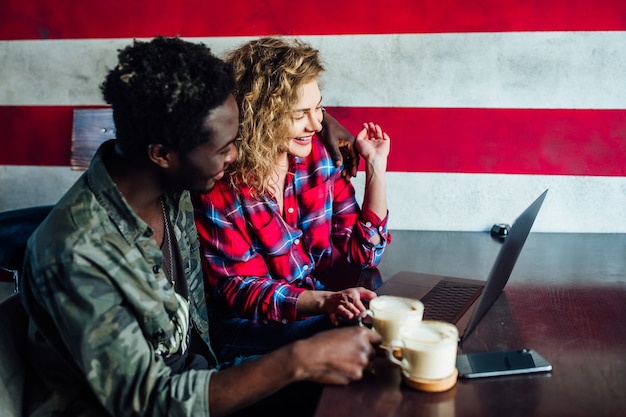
column 381, row 350
column 431, row 385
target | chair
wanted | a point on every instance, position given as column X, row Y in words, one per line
column 90, row 127
column 13, row 328
column 16, row 226
column 9, row 276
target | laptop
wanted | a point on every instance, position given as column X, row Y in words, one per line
column 463, row 301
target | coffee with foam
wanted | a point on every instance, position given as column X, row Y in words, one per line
column 428, row 350
column 389, row 313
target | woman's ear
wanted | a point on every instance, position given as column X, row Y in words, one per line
column 160, row 155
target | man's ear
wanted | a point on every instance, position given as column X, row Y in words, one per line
column 160, row 155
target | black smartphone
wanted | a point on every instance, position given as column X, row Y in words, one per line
column 523, row 361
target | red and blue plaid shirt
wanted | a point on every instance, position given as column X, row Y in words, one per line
column 260, row 261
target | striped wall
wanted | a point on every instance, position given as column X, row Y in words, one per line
column 487, row 104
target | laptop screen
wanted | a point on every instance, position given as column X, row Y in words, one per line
column 505, row 261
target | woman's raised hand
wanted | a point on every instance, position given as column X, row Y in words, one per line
column 372, row 142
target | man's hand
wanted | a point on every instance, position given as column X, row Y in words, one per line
column 340, row 144
column 335, row 356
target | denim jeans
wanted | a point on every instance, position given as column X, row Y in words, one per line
column 234, row 337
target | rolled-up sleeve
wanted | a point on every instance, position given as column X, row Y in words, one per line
column 353, row 228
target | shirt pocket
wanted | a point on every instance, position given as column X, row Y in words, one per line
column 315, row 205
column 275, row 237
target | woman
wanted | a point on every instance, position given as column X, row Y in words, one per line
column 283, row 210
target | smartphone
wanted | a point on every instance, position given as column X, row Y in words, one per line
column 479, row 365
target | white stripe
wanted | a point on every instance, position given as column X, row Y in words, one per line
column 26, row 186
column 475, row 202
column 477, row 70
column 420, row 201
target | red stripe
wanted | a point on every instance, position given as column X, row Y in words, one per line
column 503, row 141
column 36, row 135
column 69, row 19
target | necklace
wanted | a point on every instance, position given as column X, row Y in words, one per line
column 168, row 240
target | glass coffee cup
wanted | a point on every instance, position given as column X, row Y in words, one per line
column 389, row 313
column 428, row 352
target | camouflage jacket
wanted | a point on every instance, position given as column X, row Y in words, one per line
column 103, row 313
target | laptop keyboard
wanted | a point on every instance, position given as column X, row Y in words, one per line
column 448, row 300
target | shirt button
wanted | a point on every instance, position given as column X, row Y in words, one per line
column 296, row 242
column 156, row 269
column 290, row 210
column 284, row 321
column 380, row 229
column 368, row 224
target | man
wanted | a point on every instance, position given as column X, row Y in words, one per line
column 112, row 279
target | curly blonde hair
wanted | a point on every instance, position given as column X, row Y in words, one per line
column 269, row 74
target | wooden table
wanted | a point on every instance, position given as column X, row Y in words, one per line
column 566, row 299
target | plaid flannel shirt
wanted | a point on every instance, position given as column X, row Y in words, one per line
column 259, row 261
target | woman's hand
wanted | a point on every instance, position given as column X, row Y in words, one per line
column 372, row 143
column 346, row 303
